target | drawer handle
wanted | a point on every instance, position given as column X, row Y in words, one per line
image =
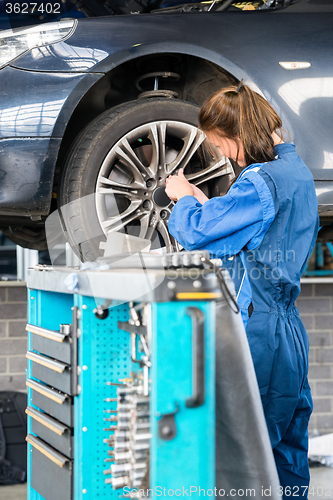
column 198, row 357
column 47, row 421
column 44, row 332
column 52, row 364
column 49, row 452
column 47, row 392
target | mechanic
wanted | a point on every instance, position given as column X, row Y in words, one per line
column 269, row 220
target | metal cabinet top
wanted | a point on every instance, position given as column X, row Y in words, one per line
column 130, row 283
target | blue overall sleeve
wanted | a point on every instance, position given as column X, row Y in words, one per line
column 226, row 224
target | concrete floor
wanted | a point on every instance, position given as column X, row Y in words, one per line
column 321, row 486
column 17, row 492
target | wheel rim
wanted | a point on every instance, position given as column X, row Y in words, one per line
column 130, row 195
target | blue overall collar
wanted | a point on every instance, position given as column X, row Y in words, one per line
column 286, row 147
column 279, row 149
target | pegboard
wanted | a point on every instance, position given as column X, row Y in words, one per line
column 104, row 356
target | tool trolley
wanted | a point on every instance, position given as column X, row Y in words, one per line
column 121, row 378
column 118, row 379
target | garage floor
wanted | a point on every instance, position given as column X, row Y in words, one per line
column 321, row 486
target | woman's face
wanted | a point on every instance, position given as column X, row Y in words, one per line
column 228, row 147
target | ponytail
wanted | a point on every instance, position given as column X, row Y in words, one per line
column 238, row 111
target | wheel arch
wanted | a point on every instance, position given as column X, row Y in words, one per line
column 97, row 97
column 186, row 49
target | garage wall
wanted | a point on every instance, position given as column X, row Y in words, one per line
column 315, row 305
column 13, row 337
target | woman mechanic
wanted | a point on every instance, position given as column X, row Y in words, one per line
column 269, row 218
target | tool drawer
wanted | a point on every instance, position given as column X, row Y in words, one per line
column 53, row 402
column 51, row 343
column 52, row 431
column 51, row 371
column 51, row 471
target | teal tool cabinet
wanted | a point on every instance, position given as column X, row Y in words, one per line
column 121, row 382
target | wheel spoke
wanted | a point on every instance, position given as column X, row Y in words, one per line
column 128, row 150
column 191, row 143
column 161, row 134
column 131, row 195
column 222, row 167
column 109, row 182
column 157, row 137
column 129, row 164
column 162, row 228
column 119, row 221
column 144, row 224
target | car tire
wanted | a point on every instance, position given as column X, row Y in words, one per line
column 80, row 216
column 114, row 175
column 26, row 237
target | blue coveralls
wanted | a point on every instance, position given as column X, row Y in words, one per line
column 269, row 219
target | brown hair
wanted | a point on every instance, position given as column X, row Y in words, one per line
column 238, row 111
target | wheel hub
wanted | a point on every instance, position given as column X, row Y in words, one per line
column 161, row 198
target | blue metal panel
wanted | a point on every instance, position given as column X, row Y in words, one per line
column 32, row 318
column 103, row 356
column 49, row 310
column 193, row 447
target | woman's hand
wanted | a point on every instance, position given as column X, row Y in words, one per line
column 177, row 186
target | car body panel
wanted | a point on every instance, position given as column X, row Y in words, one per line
column 324, row 190
column 250, row 45
column 32, row 125
column 31, row 104
column 26, row 183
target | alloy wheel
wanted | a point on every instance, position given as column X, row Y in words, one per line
column 130, row 188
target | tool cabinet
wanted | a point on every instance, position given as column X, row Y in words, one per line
column 87, row 361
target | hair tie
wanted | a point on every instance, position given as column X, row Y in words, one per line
column 240, row 86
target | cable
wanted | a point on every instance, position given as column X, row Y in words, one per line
column 223, row 286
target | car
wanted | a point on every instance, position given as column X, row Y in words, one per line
column 96, row 112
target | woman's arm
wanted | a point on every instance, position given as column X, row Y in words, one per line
column 225, row 224
column 199, row 195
